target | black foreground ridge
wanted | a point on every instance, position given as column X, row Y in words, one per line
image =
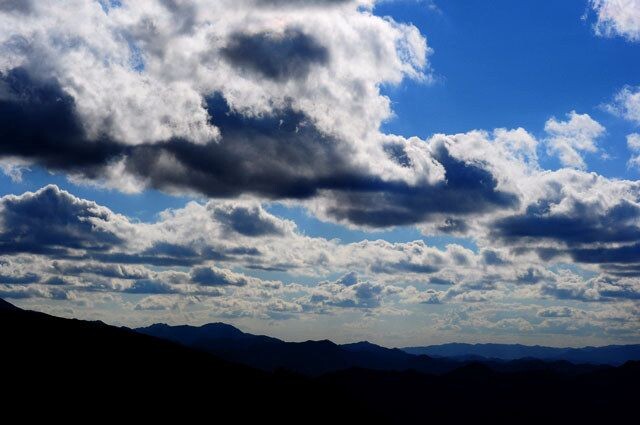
column 56, row 368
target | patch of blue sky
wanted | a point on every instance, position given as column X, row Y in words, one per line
column 515, row 64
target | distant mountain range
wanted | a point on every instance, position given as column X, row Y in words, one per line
column 609, row 355
column 319, row 357
column 65, row 369
column 53, row 368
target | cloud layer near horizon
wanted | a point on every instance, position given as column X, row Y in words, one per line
column 60, row 247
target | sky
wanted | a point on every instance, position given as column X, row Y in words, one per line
column 405, row 172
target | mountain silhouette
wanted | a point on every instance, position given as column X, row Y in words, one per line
column 611, row 355
column 315, row 358
column 68, row 369
column 311, row 358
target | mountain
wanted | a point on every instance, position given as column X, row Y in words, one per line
column 75, row 370
column 67, row 368
column 475, row 393
column 311, row 358
column 314, row 358
column 611, row 355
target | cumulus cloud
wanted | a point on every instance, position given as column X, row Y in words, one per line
column 633, row 143
column 626, row 104
column 380, row 278
column 51, row 221
column 569, row 139
column 210, row 276
column 298, row 118
column 289, row 55
column 122, row 79
column 618, row 17
column 249, row 219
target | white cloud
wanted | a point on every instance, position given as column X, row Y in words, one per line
column 633, row 143
column 569, row 139
column 140, row 72
column 626, row 104
column 618, row 17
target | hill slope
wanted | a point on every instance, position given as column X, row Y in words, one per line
column 315, row 358
column 611, row 354
column 57, row 368
column 70, row 367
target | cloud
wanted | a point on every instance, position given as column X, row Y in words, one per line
column 626, row 104
column 141, row 74
column 188, row 111
column 467, row 188
column 151, row 286
column 164, row 302
column 212, row 276
column 350, row 292
column 572, row 212
column 493, row 258
column 52, row 221
column 569, row 139
column 24, row 279
column 556, row 312
column 16, row 6
column 571, row 287
column 583, row 222
column 275, row 56
column 618, row 17
column 39, row 123
column 249, row 220
column 530, row 276
column 633, row 143
column 270, row 123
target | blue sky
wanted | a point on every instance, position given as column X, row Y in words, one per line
column 261, row 146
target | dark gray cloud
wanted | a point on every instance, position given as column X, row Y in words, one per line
column 208, row 276
column 579, row 226
column 279, row 156
column 151, row 286
column 247, row 220
column 622, row 270
column 349, row 279
column 453, row 226
column 51, row 221
column 23, row 279
column 493, row 258
column 468, row 189
column 404, row 266
column 368, row 295
column 38, row 122
column 166, row 254
column 285, row 156
column 434, row 280
column 279, row 57
column 586, row 233
column 597, row 289
column 106, row 270
column 18, row 6
column 530, row 276
column 623, row 254
column 556, row 312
